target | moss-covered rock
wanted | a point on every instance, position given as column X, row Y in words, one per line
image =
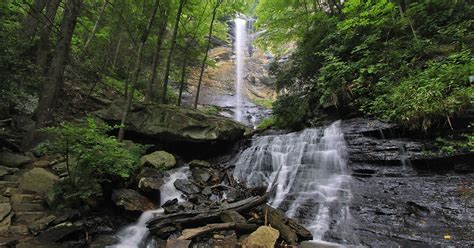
column 38, row 180
column 174, row 124
column 159, row 159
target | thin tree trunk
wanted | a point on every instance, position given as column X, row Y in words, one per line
column 52, row 87
column 157, row 57
column 96, row 25
column 183, row 73
column 170, row 54
column 31, row 22
column 402, row 14
column 114, row 63
column 136, row 72
column 203, row 65
column 44, row 42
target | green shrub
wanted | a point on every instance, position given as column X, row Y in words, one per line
column 211, row 110
column 290, row 111
column 266, row 123
column 92, row 157
column 264, row 102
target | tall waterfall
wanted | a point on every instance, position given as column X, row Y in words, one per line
column 239, row 51
column 310, row 173
column 136, row 235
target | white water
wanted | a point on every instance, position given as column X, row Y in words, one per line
column 310, row 173
column 136, row 235
column 239, row 51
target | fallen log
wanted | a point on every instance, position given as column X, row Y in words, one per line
column 290, row 230
column 195, row 232
column 199, row 217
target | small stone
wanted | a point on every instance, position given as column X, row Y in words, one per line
column 159, row 159
column 5, row 210
column 41, row 163
column 207, row 191
column 232, row 216
column 131, row 200
column 41, row 224
column 13, row 160
column 199, row 164
column 186, row 186
column 264, row 237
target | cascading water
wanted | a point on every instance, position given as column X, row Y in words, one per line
column 239, row 51
column 136, row 235
column 310, row 173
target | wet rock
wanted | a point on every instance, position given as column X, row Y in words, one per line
column 186, row 186
column 41, row 224
column 264, row 237
column 13, row 160
column 290, row 230
column 6, row 222
column 41, row 163
column 175, row 243
column 232, row 216
column 151, row 185
column 132, row 201
column 159, row 159
column 199, row 164
column 103, row 241
column 150, row 172
column 67, row 215
column 165, row 232
column 207, row 191
column 5, row 210
column 171, row 123
column 201, row 175
column 60, row 232
column 319, row 244
column 464, row 168
column 171, row 206
column 231, row 195
column 38, row 180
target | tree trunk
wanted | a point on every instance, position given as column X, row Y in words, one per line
column 96, row 25
column 203, row 65
column 170, row 54
column 44, row 42
column 52, row 87
column 114, row 62
column 183, row 74
column 157, row 57
column 31, row 22
column 136, row 72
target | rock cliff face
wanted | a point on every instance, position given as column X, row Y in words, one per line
column 405, row 192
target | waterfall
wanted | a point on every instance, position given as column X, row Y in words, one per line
column 310, row 173
column 136, row 235
column 239, row 51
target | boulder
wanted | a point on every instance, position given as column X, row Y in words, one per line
column 150, row 172
column 169, row 123
column 38, row 180
column 263, row 237
column 131, row 200
column 6, row 223
column 13, row 160
column 159, row 159
column 186, row 186
column 41, row 224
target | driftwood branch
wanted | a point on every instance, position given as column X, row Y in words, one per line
column 196, row 218
column 195, row 232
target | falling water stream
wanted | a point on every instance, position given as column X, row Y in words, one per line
column 137, row 235
column 310, row 174
column 239, row 51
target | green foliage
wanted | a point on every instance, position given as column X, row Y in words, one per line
column 264, row 102
column 408, row 65
column 267, row 123
column 91, row 157
column 290, row 111
column 212, row 110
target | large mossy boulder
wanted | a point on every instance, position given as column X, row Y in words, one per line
column 38, row 180
column 174, row 124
